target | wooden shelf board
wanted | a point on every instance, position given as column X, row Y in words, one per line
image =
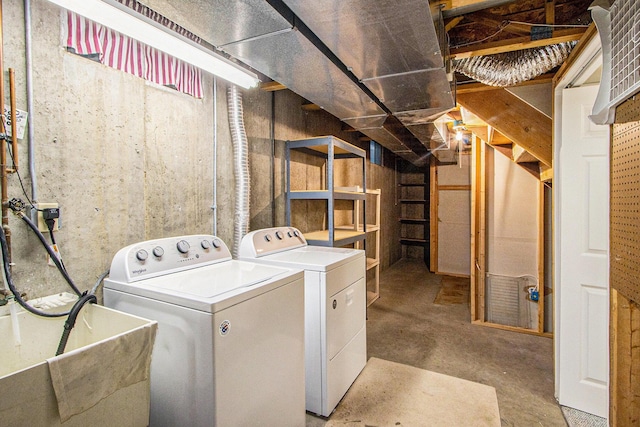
column 413, row 242
column 413, row 201
column 371, row 297
column 340, row 237
column 413, row 220
column 372, row 262
column 370, row 227
column 325, row 195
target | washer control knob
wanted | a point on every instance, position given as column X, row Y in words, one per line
column 142, row 255
column 279, row 235
column 290, row 234
column 216, row 243
column 205, row 244
column 183, row 246
column 267, row 237
column 158, row 251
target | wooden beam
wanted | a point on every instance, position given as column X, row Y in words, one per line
column 272, row 86
column 575, row 52
column 479, row 87
column 546, row 173
column 454, row 21
column 514, row 118
column 517, row 43
column 310, row 107
column 490, row 19
column 520, row 155
column 550, row 12
column 499, row 139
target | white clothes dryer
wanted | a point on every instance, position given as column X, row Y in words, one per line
column 230, row 344
column 335, row 309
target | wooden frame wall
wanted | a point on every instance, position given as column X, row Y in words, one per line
column 478, row 245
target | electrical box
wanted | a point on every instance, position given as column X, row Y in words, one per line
column 42, row 226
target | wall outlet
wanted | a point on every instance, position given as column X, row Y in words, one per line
column 42, row 226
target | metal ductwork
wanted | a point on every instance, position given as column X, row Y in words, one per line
column 377, row 66
column 396, row 50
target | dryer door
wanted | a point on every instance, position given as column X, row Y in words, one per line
column 346, row 314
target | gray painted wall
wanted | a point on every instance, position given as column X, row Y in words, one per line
column 129, row 161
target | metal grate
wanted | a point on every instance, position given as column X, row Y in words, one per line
column 625, row 49
column 507, row 302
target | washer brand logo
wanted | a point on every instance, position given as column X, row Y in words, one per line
column 224, row 327
column 142, row 270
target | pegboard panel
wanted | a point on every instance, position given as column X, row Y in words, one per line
column 625, row 206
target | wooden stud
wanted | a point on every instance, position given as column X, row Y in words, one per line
column 541, row 234
column 433, row 215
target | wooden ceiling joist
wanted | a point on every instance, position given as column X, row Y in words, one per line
column 517, row 43
column 479, row 87
column 514, row 118
column 272, row 86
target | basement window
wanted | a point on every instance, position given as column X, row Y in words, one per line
column 98, row 43
column 375, row 153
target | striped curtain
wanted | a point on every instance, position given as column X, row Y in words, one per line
column 123, row 53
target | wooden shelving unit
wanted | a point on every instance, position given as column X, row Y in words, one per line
column 413, row 197
column 331, row 149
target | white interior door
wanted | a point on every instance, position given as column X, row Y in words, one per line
column 583, row 203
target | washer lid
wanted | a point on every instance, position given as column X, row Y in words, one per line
column 213, row 287
column 317, row 258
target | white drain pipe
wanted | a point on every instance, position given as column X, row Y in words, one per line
column 240, row 167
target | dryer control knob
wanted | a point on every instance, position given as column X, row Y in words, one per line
column 267, row 237
column 142, row 255
column 205, row 244
column 279, row 235
column 183, row 246
column 216, row 243
column 158, row 251
column 295, row 233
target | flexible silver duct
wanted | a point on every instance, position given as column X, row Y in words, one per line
column 240, row 166
column 508, row 69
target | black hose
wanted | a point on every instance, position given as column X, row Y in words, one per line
column 12, row 288
column 71, row 320
column 52, row 254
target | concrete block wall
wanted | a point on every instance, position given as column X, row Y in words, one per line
column 127, row 160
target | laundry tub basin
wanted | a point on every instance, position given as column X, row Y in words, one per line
column 101, row 379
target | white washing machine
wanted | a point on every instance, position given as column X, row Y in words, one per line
column 335, row 309
column 230, row 344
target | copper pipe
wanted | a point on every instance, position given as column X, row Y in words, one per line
column 3, row 151
column 14, row 125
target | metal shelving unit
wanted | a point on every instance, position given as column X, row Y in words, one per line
column 331, row 149
column 373, row 236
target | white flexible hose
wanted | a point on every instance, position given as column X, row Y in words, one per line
column 240, row 167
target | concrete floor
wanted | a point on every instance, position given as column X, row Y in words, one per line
column 405, row 326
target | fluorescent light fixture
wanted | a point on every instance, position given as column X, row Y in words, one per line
column 129, row 23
